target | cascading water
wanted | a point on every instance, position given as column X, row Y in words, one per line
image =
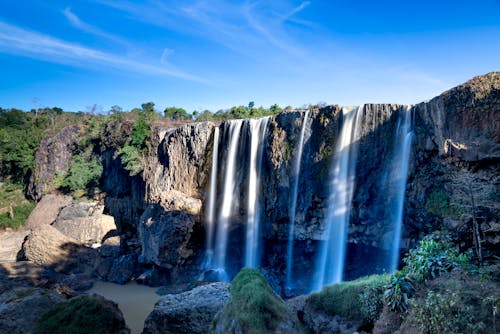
column 210, row 213
column 293, row 205
column 227, row 200
column 404, row 137
column 330, row 264
column 258, row 128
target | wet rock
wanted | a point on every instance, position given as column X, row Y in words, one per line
column 122, row 269
column 189, row 312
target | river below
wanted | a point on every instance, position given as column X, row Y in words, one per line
column 134, row 300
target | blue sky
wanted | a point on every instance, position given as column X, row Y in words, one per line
column 216, row 54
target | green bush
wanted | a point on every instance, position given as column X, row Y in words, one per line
column 254, row 305
column 431, row 258
column 398, row 292
column 80, row 315
column 437, row 203
column 132, row 159
column 360, row 299
column 83, row 174
column 443, row 313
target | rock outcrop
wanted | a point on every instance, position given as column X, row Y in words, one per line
column 52, row 157
column 189, row 312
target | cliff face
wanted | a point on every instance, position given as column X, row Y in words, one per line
column 454, row 157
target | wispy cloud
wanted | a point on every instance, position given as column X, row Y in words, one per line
column 299, row 8
column 18, row 41
column 239, row 27
column 76, row 22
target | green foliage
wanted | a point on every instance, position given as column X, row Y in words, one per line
column 443, row 313
column 177, row 114
column 132, row 159
column 11, row 196
column 79, row 315
column 83, row 174
column 398, row 292
column 437, row 203
column 141, row 133
column 360, row 299
column 254, row 305
column 431, row 258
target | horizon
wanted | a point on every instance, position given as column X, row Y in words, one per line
column 198, row 55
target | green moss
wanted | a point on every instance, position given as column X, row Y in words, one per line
column 254, row 305
column 360, row 299
column 437, row 203
column 79, row 315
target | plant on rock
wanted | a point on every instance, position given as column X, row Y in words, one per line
column 398, row 292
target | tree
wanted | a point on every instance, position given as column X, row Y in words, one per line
column 148, row 107
column 177, row 114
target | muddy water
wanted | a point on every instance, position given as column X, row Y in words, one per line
column 134, row 300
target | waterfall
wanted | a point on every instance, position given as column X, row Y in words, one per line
column 404, row 137
column 330, row 265
column 258, row 129
column 210, row 213
column 293, row 206
column 227, row 199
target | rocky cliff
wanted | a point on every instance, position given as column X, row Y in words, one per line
column 454, row 159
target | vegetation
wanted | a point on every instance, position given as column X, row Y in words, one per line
column 80, row 315
column 254, row 305
column 14, row 208
column 353, row 300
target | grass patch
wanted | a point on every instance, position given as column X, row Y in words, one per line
column 80, row 315
column 254, row 305
column 361, row 299
column 11, row 195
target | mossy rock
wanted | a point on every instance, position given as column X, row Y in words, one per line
column 358, row 300
column 83, row 315
column 254, row 307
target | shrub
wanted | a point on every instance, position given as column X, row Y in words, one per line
column 360, row 299
column 431, row 258
column 254, row 305
column 81, row 315
column 83, row 174
column 398, row 292
column 442, row 313
column 131, row 159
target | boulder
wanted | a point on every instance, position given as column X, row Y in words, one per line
column 11, row 244
column 21, row 308
column 47, row 210
column 188, row 312
column 85, row 223
column 84, row 314
column 48, row 247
